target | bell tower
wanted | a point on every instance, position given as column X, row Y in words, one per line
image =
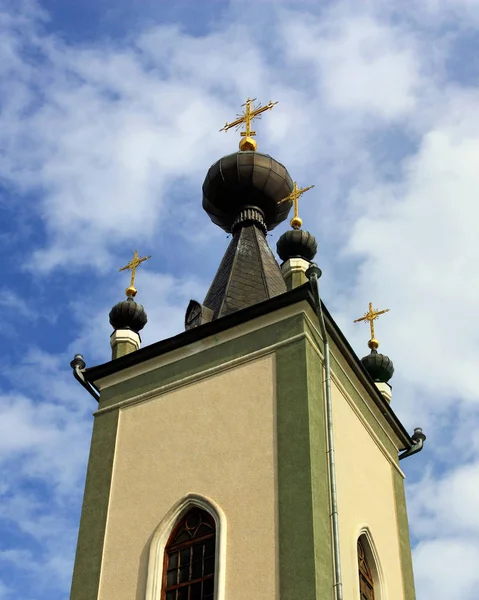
column 252, row 455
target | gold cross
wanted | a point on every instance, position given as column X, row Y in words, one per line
column 371, row 316
column 248, row 143
column 297, row 192
column 132, row 266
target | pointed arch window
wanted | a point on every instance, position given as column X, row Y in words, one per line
column 366, row 581
column 189, row 567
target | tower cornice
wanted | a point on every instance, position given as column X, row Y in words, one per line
column 296, row 295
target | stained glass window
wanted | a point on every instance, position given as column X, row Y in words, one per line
column 366, row 582
column 189, row 568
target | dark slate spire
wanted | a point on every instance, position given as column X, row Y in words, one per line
column 241, row 194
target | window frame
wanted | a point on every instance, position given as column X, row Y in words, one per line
column 161, row 535
column 178, row 546
column 370, row 551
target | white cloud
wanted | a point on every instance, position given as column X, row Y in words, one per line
column 446, row 506
column 420, row 248
column 362, row 65
column 114, row 141
column 447, row 568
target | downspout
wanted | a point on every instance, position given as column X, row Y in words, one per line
column 78, row 365
column 313, row 274
column 419, row 438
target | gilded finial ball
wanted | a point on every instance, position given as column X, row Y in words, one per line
column 373, row 344
column 131, row 291
column 296, row 222
column 248, row 143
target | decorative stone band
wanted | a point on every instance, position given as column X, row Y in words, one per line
column 247, row 216
column 294, row 272
column 124, row 341
column 385, row 390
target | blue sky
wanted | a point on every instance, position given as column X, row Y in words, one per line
column 109, row 118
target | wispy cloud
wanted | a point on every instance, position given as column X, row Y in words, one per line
column 104, row 145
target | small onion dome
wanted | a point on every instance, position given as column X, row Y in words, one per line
column 380, row 367
column 296, row 243
column 128, row 315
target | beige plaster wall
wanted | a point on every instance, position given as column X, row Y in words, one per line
column 216, row 438
column 365, row 499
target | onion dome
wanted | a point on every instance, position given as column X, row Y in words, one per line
column 379, row 366
column 296, row 243
column 128, row 314
column 244, row 194
column 243, row 180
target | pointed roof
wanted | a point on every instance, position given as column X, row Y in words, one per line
column 248, row 274
column 244, row 193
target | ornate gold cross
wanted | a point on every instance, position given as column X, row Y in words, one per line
column 295, row 195
column 248, row 143
column 371, row 316
column 132, row 266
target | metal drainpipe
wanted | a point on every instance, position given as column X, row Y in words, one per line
column 313, row 274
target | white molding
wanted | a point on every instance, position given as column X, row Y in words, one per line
column 391, row 458
column 294, row 265
column 201, row 345
column 231, row 364
column 385, row 390
column 372, row 555
column 125, row 335
column 163, row 532
column 360, row 394
column 357, row 412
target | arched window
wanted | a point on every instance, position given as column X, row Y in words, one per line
column 366, row 582
column 189, row 567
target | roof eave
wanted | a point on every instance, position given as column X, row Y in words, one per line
column 94, row 374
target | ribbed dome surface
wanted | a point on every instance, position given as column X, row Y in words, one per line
column 379, row 366
column 296, row 243
column 128, row 315
column 246, row 179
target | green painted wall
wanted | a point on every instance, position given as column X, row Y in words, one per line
column 86, row 573
column 304, row 531
column 404, row 541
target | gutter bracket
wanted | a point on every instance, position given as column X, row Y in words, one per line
column 419, row 438
column 78, row 365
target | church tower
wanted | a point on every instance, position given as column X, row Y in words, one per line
column 253, row 455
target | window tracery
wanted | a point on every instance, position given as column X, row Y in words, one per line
column 189, row 567
column 366, row 581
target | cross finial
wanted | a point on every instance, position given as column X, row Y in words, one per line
column 295, row 195
column 132, row 266
column 371, row 316
column 248, row 142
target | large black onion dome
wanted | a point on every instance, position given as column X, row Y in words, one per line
column 128, row 315
column 379, row 366
column 296, row 243
column 246, row 179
